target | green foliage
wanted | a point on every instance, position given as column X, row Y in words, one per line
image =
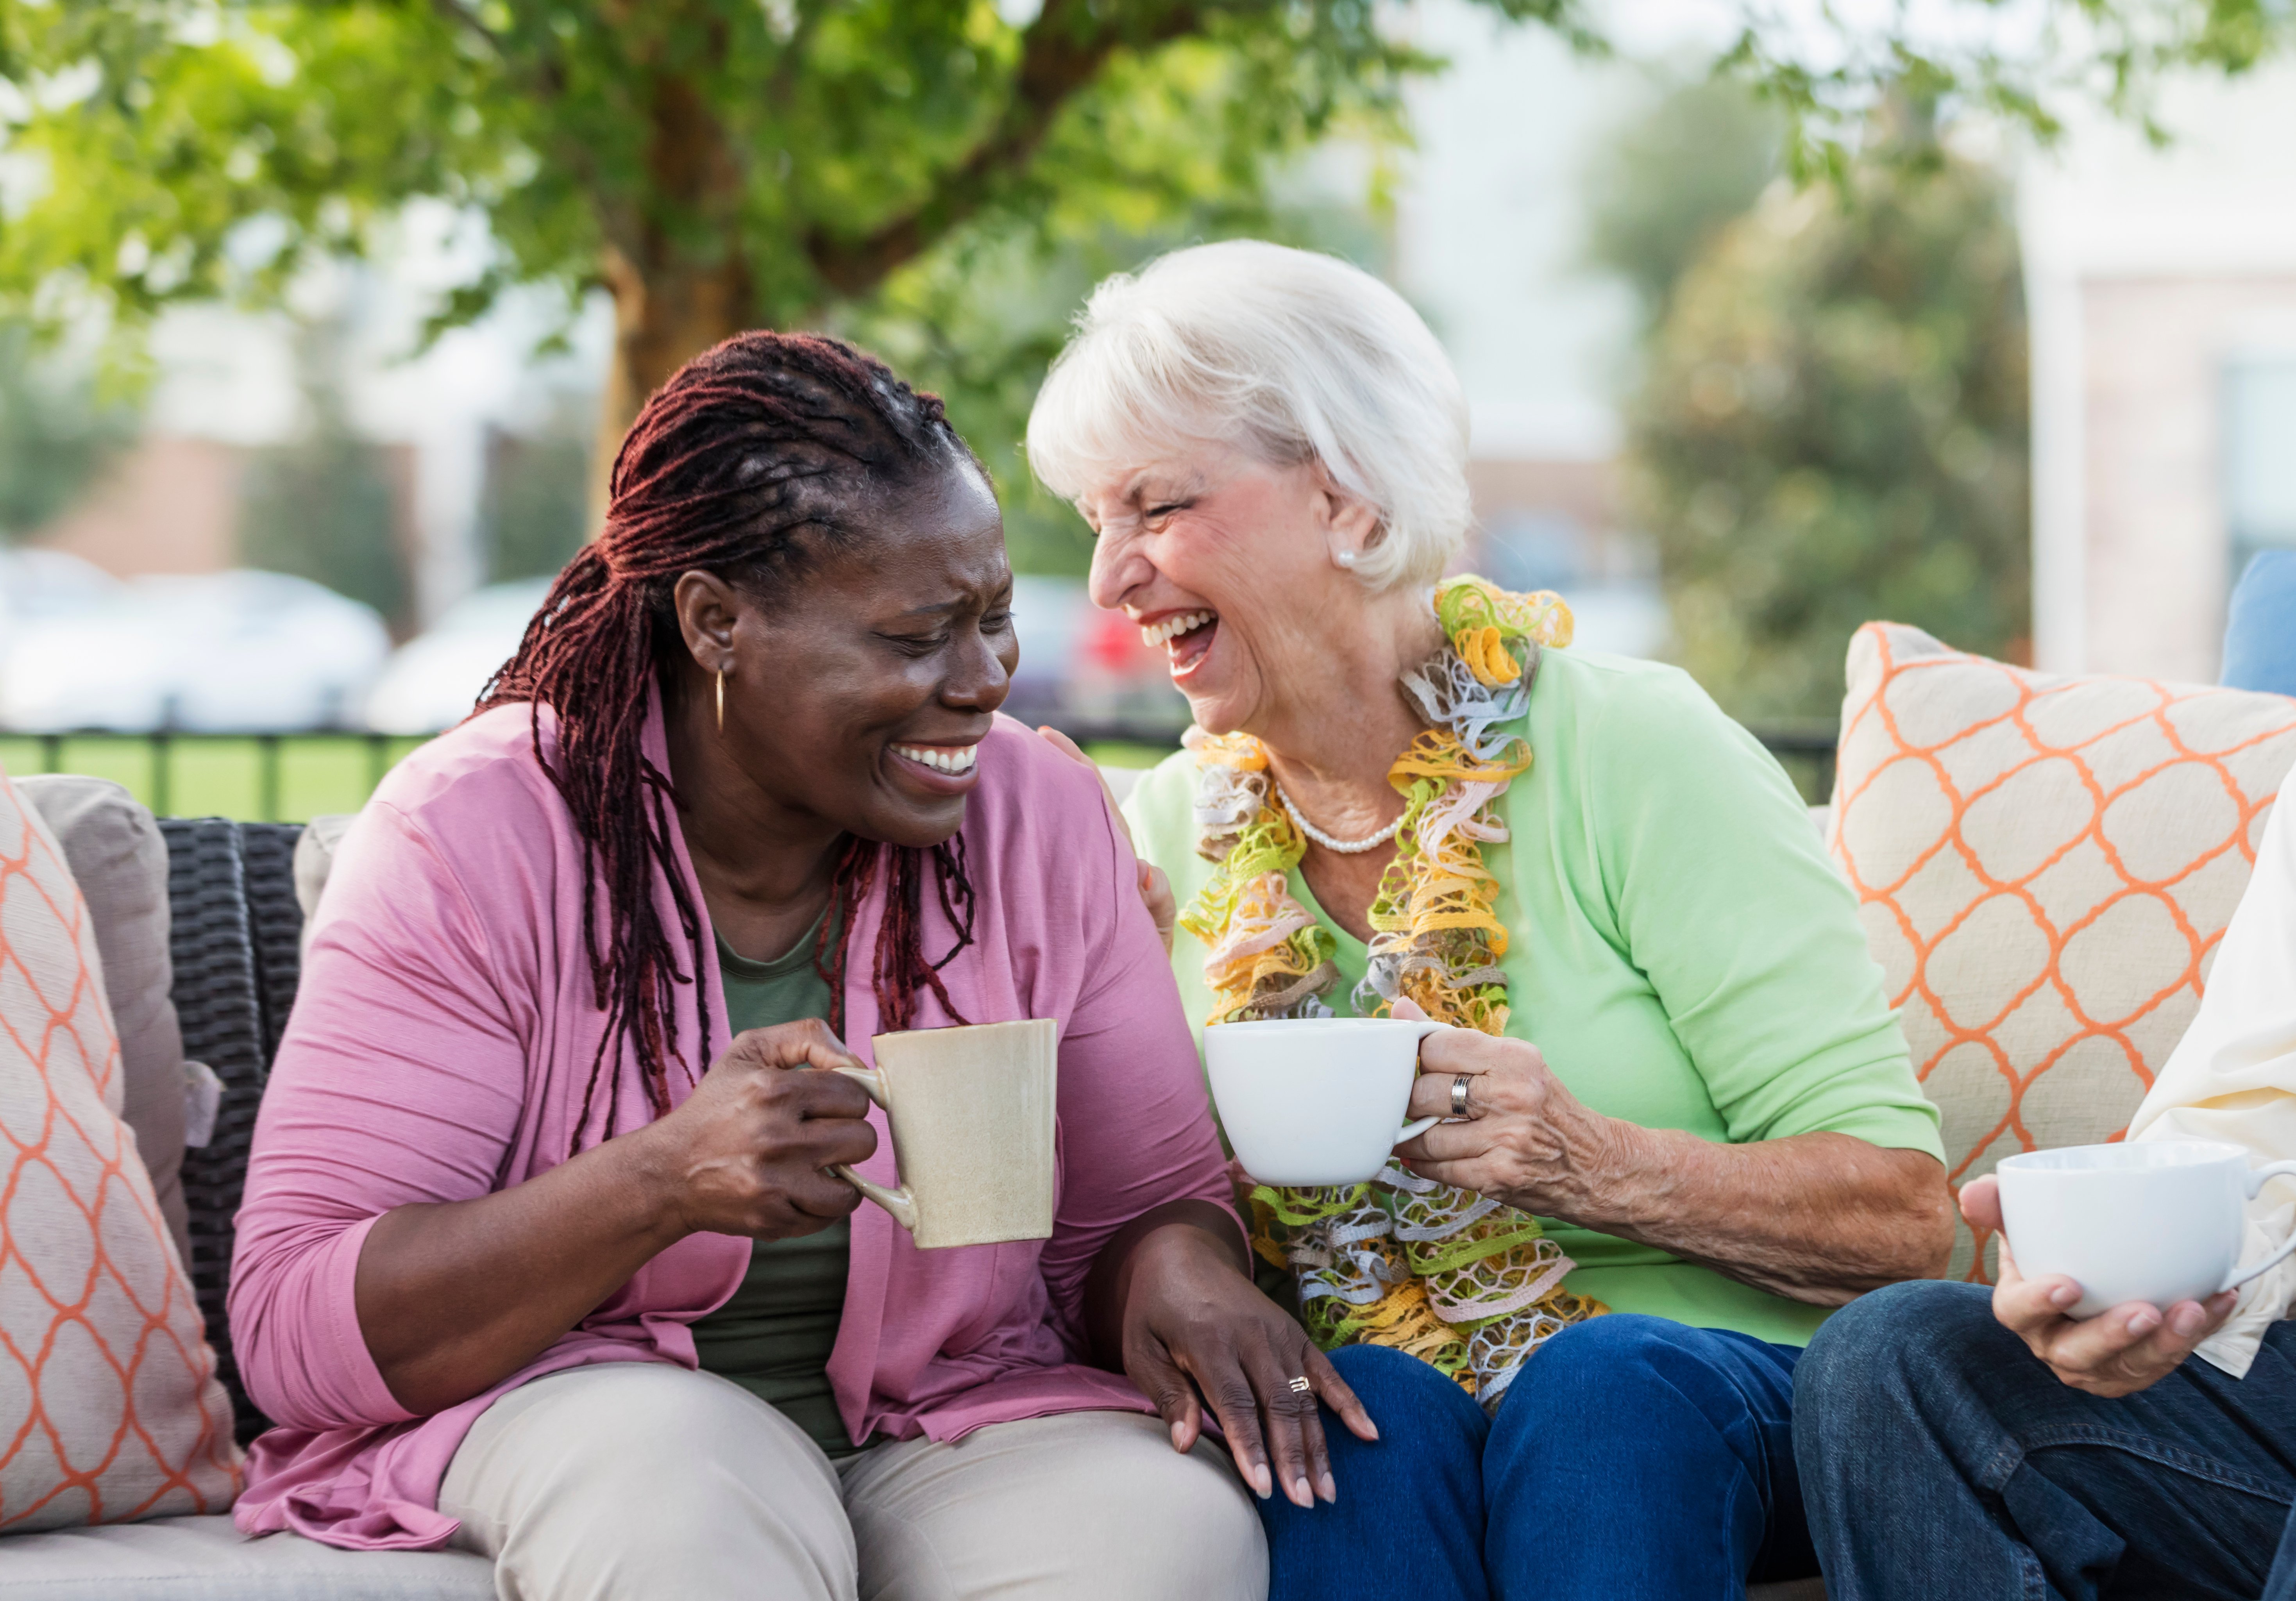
column 1667, row 181
column 188, row 149
column 534, row 512
column 325, row 507
column 1833, row 428
column 57, row 433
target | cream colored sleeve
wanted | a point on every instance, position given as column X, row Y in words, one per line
column 2233, row 1076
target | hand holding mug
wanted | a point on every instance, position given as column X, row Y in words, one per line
column 2117, row 1352
column 744, row 1154
column 1521, row 1137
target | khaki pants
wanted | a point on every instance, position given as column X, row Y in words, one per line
column 636, row 1482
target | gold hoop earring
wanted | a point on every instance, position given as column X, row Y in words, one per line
column 721, row 700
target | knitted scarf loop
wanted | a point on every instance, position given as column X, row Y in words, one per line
column 1465, row 1283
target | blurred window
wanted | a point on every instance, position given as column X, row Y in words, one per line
column 2259, row 460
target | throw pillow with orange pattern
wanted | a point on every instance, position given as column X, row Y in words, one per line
column 109, row 1410
column 2044, row 864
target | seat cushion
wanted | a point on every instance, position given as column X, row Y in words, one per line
column 206, row 1559
column 2043, row 865
column 109, row 1405
column 112, row 845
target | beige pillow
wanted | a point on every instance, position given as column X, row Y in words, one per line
column 114, row 852
column 2044, row 864
column 109, row 1410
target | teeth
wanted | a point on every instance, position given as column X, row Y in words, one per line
column 1155, row 633
column 959, row 760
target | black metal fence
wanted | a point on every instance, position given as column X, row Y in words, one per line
column 151, row 764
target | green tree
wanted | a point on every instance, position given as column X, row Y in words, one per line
column 1672, row 177
column 325, row 507
column 1832, row 427
column 58, row 432
column 717, row 164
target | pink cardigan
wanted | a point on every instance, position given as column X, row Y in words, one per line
column 438, row 1048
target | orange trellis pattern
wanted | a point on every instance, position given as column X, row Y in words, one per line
column 2043, row 865
column 108, row 1406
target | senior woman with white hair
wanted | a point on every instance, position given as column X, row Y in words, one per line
column 1678, row 1096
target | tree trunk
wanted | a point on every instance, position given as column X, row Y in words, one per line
column 671, row 300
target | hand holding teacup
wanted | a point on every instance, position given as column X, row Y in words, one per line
column 2131, row 1250
column 1520, row 1136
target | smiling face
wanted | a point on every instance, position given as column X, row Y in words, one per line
column 1236, row 569
column 857, row 696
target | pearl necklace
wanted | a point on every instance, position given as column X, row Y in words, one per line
column 1345, row 847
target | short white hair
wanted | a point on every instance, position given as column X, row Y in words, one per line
column 1287, row 355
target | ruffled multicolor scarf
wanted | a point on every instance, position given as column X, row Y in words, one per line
column 1465, row 1283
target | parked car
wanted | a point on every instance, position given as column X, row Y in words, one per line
column 210, row 652
column 434, row 679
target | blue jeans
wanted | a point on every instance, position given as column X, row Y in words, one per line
column 1634, row 1458
column 2260, row 649
column 1940, row 1457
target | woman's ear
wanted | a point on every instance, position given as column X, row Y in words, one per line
column 706, row 615
column 1351, row 524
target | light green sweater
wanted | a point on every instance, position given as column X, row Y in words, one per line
column 1679, row 949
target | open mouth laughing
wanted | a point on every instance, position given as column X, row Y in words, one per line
column 1183, row 636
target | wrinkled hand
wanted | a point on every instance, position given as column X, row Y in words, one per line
column 2117, row 1352
column 1155, row 888
column 1190, row 1315
column 745, row 1153
column 1525, row 1140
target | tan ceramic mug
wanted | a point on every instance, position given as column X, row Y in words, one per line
column 971, row 1110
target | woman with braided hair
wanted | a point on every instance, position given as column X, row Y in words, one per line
column 1680, row 1122
column 538, row 1256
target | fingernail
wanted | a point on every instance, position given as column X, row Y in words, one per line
column 1179, row 1442
column 1328, row 1490
column 1375, row 1427
column 2188, row 1319
column 2064, row 1294
column 1263, row 1482
column 1301, row 1496
column 2144, row 1320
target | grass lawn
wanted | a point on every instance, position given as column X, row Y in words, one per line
column 199, row 777
column 315, row 774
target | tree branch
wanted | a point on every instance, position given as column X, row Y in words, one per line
column 1062, row 53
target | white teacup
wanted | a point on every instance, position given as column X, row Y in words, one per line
column 1315, row 1100
column 972, row 1109
column 2155, row 1221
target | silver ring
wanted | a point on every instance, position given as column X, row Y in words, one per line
column 1459, row 1095
column 1301, row 1384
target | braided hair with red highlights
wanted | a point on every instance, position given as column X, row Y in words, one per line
column 745, row 464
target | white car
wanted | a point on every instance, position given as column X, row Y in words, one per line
column 434, row 680
column 221, row 652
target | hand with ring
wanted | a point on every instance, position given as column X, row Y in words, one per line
column 1513, row 1132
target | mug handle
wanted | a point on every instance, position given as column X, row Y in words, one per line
column 899, row 1203
column 1420, row 1125
column 2256, row 1178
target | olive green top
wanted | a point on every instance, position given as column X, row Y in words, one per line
column 1679, row 947
column 774, row 1336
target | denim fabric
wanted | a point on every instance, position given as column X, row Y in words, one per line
column 1940, row 1457
column 1634, row 1458
column 2261, row 627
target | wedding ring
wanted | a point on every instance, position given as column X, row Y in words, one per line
column 1459, row 1095
column 1301, row 1385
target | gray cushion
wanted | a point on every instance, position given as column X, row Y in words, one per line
column 113, row 848
column 315, row 859
column 206, row 1559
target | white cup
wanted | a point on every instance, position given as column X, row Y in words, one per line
column 973, row 1110
column 1310, row 1101
column 2154, row 1222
